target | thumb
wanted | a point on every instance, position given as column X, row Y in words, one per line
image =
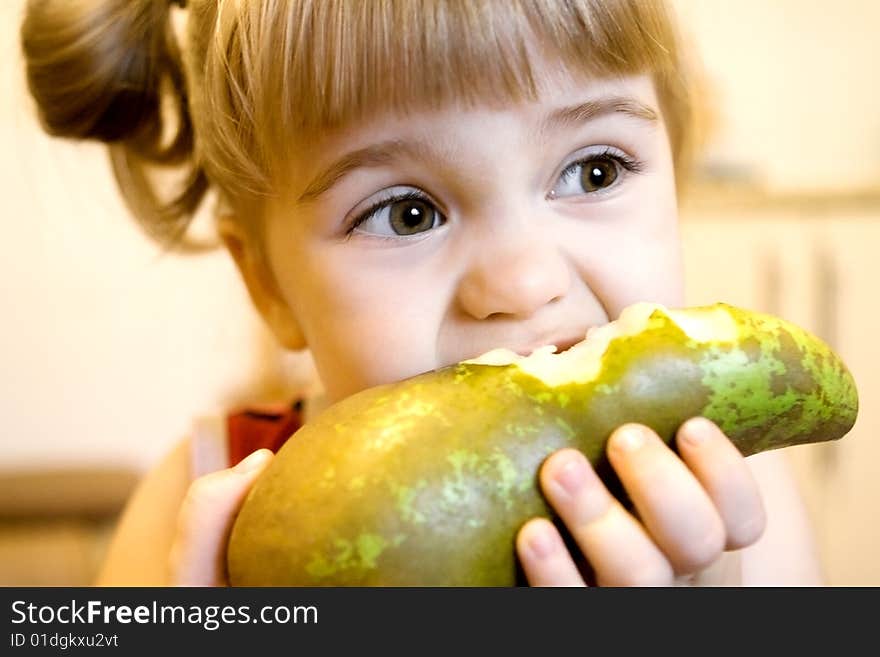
column 198, row 552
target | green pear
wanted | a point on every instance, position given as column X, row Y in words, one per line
column 426, row 482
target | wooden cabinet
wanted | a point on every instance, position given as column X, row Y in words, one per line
column 819, row 267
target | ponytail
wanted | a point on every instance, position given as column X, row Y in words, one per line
column 110, row 70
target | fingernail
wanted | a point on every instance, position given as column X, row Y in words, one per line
column 697, row 431
column 542, row 543
column 572, row 474
column 252, row 462
column 628, row 439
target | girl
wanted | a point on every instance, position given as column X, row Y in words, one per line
column 410, row 183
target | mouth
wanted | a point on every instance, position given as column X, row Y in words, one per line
column 576, row 357
column 560, row 346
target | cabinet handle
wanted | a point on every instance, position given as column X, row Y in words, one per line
column 826, row 285
column 769, row 294
column 826, row 312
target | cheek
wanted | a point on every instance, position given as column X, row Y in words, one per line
column 365, row 326
column 635, row 256
column 370, row 350
column 651, row 250
column 370, row 316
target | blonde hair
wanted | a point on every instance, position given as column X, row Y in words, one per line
column 257, row 74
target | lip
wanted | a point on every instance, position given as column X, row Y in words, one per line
column 562, row 344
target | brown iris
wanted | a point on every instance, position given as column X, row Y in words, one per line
column 411, row 216
column 598, row 174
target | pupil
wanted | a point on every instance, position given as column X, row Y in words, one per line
column 411, row 217
column 598, row 174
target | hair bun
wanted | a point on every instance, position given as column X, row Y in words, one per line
column 98, row 69
column 94, row 67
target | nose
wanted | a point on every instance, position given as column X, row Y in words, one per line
column 516, row 277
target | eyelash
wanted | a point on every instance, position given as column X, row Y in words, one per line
column 626, row 162
column 371, row 211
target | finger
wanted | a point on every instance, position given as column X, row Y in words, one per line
column 678, row 514
column 544, row 557
column 726, row 477
column 618, row 548
column 198, row 554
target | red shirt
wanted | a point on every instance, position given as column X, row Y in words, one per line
column 250, row 429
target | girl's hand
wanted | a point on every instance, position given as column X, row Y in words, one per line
column 198, row 553
column 688, row 510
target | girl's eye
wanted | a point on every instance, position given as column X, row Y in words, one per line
column 597, row 174
column 593, row 174
column 401, row 216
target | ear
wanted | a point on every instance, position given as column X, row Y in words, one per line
column 261, row 284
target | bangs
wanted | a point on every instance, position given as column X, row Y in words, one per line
column 284, row 71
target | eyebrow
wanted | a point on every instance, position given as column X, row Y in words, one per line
column 386, row 152
column 375, row 155
column 573, row 115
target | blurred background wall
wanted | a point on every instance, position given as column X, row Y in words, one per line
column 111, row 348
column 784, row 217
column 794, row 85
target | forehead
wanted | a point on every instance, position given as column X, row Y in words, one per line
column 475, row 134
column 562, row 98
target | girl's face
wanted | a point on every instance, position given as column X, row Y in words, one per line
column 409, row 242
